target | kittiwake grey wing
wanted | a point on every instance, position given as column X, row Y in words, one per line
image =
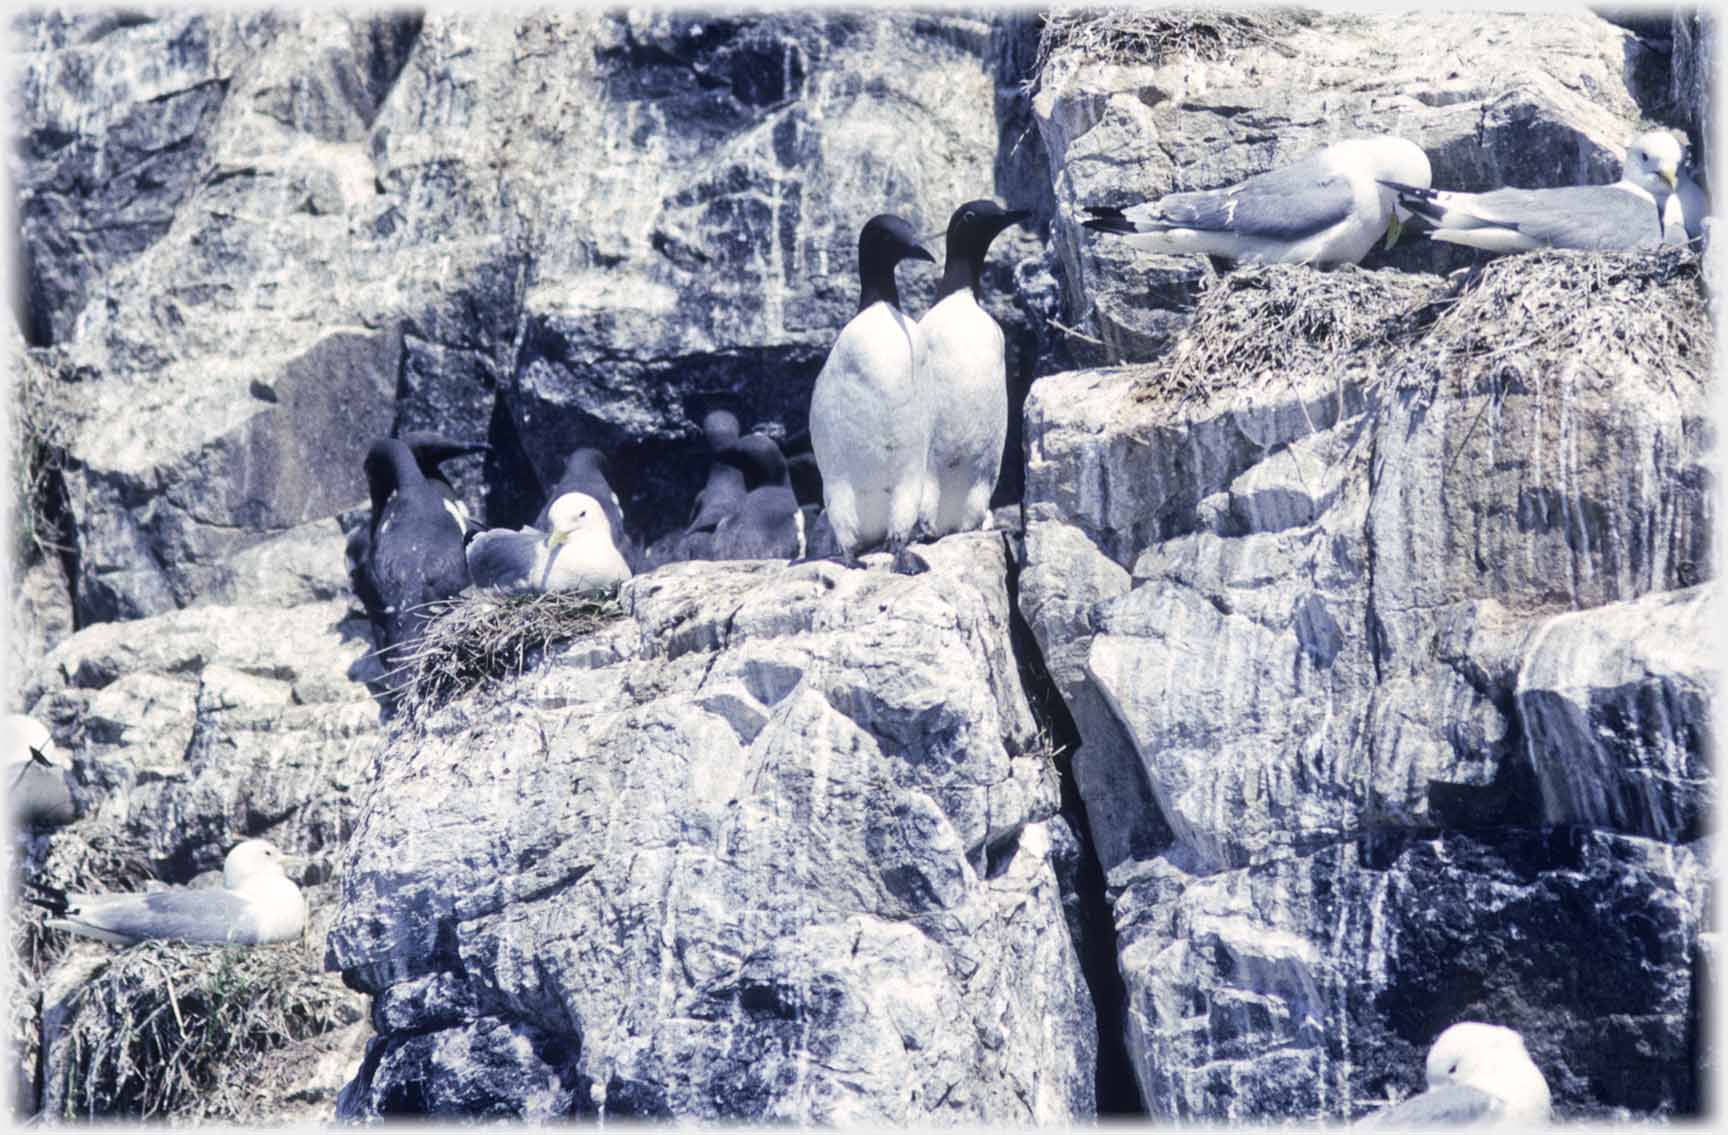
column 506, row 560
column 1584, row 217
column 1282, row 204
column 1452, row 1105
column 212, row 915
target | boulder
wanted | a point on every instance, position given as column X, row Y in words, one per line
column 774, row 845
column 1616, row 708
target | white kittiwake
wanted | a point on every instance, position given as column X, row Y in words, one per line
column 1328, row 208
column 1634, row 212
column 1478, row 1076
column 576, row 555
column 37, row 790
column 257, row 904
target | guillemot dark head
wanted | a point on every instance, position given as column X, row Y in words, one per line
column 970, row 230
column 884, row 242
column 390, row 468
column 758, row 458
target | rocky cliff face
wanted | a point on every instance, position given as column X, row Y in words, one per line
column 1349, row 674
column 774, row 846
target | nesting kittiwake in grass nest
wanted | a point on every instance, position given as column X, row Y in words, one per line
column 257, row 904
column 1328, row 208
column 1634, row 212
column 585, row 471
column 576, row 555
column 37, row 790
column 1478, row 1076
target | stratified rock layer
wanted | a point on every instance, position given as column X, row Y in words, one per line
column 1364, row 559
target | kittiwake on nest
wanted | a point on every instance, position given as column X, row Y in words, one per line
column 1478, row 1076
column 37, row 790
column 257, row 904
column 1634, row 212
column 1328, row 208
column 576, row 555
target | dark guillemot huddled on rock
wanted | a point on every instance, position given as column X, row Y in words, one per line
column 413, row 556
column 767, row 524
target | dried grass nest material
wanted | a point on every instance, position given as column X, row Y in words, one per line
column 1531, row 312
column 1541, row 312
column 41, row 431
column 76, row 865
column 482, row 637
column 1153, row 35
column 1282, row 319
column 172, row 1029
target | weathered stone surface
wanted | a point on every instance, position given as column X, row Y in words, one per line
column 1616, row 709
column 1298, row 544
column 773, row 846
column 1494, row 99
column 1376, row 590
column 191, row 730
column 1692, row 85
column 1314, row 985
column 40, row 618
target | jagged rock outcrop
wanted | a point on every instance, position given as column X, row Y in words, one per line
column 773, row 846
column 1369, row 557
column 191, row 730
column 1315, row 984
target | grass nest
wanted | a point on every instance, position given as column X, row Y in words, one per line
column 484, row 637
column 1530, row 314
column 168, row 1029
column 1153, row 35
column 1285, row 319
column 79, row 866
column 41, row 431
column 1537, row 313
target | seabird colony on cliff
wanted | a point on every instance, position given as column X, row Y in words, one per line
column 906, row 427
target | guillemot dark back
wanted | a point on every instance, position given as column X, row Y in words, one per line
column 415, row 556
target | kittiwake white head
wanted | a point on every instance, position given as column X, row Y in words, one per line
column 1653, row 162
column 1491, row 1059
column 576, row 514
column 250, row 860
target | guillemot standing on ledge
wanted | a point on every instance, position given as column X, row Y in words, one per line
column 869, row 417
column 966, row 378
